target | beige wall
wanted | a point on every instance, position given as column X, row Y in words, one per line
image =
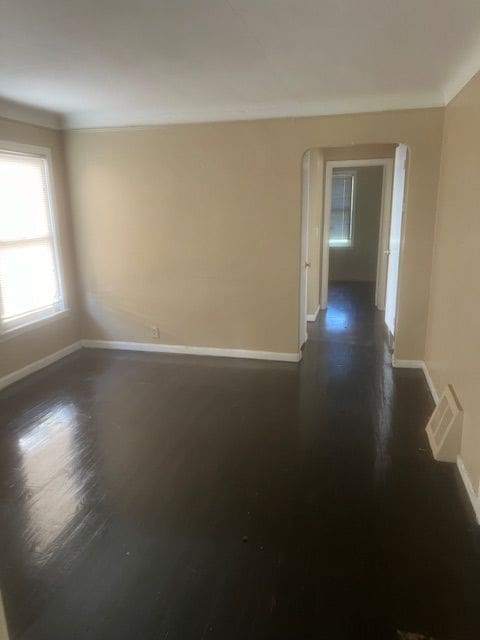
column 359, row 262
column 360, row 152
column 44, row 339
column 315, row 218
column 453, row 337
column 196, row 228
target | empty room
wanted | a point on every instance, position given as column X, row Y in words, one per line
column 239, row 320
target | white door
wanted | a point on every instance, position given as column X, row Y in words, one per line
column 304, row 249
column 395, row 236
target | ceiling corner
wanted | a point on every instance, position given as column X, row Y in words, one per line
column 30, row 115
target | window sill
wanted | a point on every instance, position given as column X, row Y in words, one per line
column 9, row 334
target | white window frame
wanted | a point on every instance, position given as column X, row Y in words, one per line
column 348, row 244
column 39, row 317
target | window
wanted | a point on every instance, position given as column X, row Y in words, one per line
column 30, row 282
column 341, row 215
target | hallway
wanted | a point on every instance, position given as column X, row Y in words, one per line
column 163, row 496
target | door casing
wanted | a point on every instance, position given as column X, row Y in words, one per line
column 395, row 237
column 302, row 320
column 384, row 230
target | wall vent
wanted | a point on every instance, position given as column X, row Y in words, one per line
column 444, row 429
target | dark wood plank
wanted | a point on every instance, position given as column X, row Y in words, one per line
column 153, row 496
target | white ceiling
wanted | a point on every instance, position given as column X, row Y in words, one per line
column 116, row 62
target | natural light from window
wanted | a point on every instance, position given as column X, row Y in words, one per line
column 30, row 287
column 341, row 214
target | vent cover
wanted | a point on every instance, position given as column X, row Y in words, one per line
column 444, row 429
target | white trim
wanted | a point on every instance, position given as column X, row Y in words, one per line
column 311, row 317
column 384, row 235
column 373, row 162
column 399, row 174
column 8, row 334
column 304, row 251
column 10, row 378
column 474, row 498
column 465, row 72
column 156, row 116
column 429, row 380
column 197, row 351
column 26, row 149
column 152, row 117
column 417, row 364
column 37, row 116
column 382, row 258
column 30, row 115
column 406, row 364
column 325, row 246
column 45, row 154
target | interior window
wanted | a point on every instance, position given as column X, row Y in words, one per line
column 341, row 215
column 30, row 279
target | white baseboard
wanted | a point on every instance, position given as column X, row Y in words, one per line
column 417, row 364
column 474, row 498
column 197, row 351
column 311, row 317
column 10, row 378
column 431, row 386
column 38, row 364
column 406, row 364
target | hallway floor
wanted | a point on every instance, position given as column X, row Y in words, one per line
column 148, row 496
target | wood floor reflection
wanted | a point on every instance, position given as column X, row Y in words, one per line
column 162, row 496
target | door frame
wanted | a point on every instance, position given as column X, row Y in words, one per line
column 391, row 336
column 304, row 222
column 384, row 228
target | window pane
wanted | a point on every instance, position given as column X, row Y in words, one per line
column 28, row 279
column 341, row 212
column 24, row 202
column 337, row 225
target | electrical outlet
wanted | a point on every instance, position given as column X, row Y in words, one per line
column 155, row 332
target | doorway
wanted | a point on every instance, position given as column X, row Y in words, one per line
column 326, row 240
column 356, row 224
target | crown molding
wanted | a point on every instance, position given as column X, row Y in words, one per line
column 30, row 115
column 151, row 117
column 464, row 73
column 20, row 112
column 110, row 118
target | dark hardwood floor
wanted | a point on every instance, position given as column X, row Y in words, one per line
column 149, row 496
